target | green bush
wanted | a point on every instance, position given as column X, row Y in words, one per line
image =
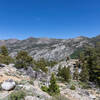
column 4, row 50
column 31, row 82
column 17, row 95
column 23, row 60
column 84, row 85
column 4, row 56
column 44, row 88
column 72, row 87
column 41, row 64
column 6, row 59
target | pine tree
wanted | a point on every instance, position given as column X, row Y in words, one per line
column 84, row 75
column 64, row 73
column 53, row 87
column 90, row 64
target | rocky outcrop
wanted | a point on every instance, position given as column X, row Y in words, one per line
column 8, row 85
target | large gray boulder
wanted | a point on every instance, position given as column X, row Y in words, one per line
column 8, row 85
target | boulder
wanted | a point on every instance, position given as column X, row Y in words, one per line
column 30, row 72
column 8, row 85
column 92, row 96
column 2, row 65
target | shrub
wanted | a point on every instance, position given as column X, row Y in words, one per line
column 17, row 95
column 23, row 60
column 31, row 82
column 41, row 64
column 72, row 87
column 44, row 88
column 84, row 85
column 4, row 50
column 4, row 57
column 51, row 63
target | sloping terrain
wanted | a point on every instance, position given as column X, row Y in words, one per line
column 32, row 87
column 51, row 49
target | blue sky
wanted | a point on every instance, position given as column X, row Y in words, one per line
column 49, row 18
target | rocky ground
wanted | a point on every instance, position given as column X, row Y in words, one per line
column 12, row 80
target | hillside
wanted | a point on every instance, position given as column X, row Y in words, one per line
column 51, row 49
column 67, row 79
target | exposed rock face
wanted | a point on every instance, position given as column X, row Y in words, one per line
column 8, row 85
column 30, row 72
column 51, row 49
column 7, row 42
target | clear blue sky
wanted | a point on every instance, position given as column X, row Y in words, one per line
column 49, row 18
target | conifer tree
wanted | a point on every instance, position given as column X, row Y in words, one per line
column 53, row 87
column 84, row 75
column 66, row 74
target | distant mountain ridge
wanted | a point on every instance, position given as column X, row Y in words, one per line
column 51, row 49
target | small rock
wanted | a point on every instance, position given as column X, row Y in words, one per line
column 92, row 96
column 87, row 93
column 8, row 85
column 31, row 98
column 2, row 65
